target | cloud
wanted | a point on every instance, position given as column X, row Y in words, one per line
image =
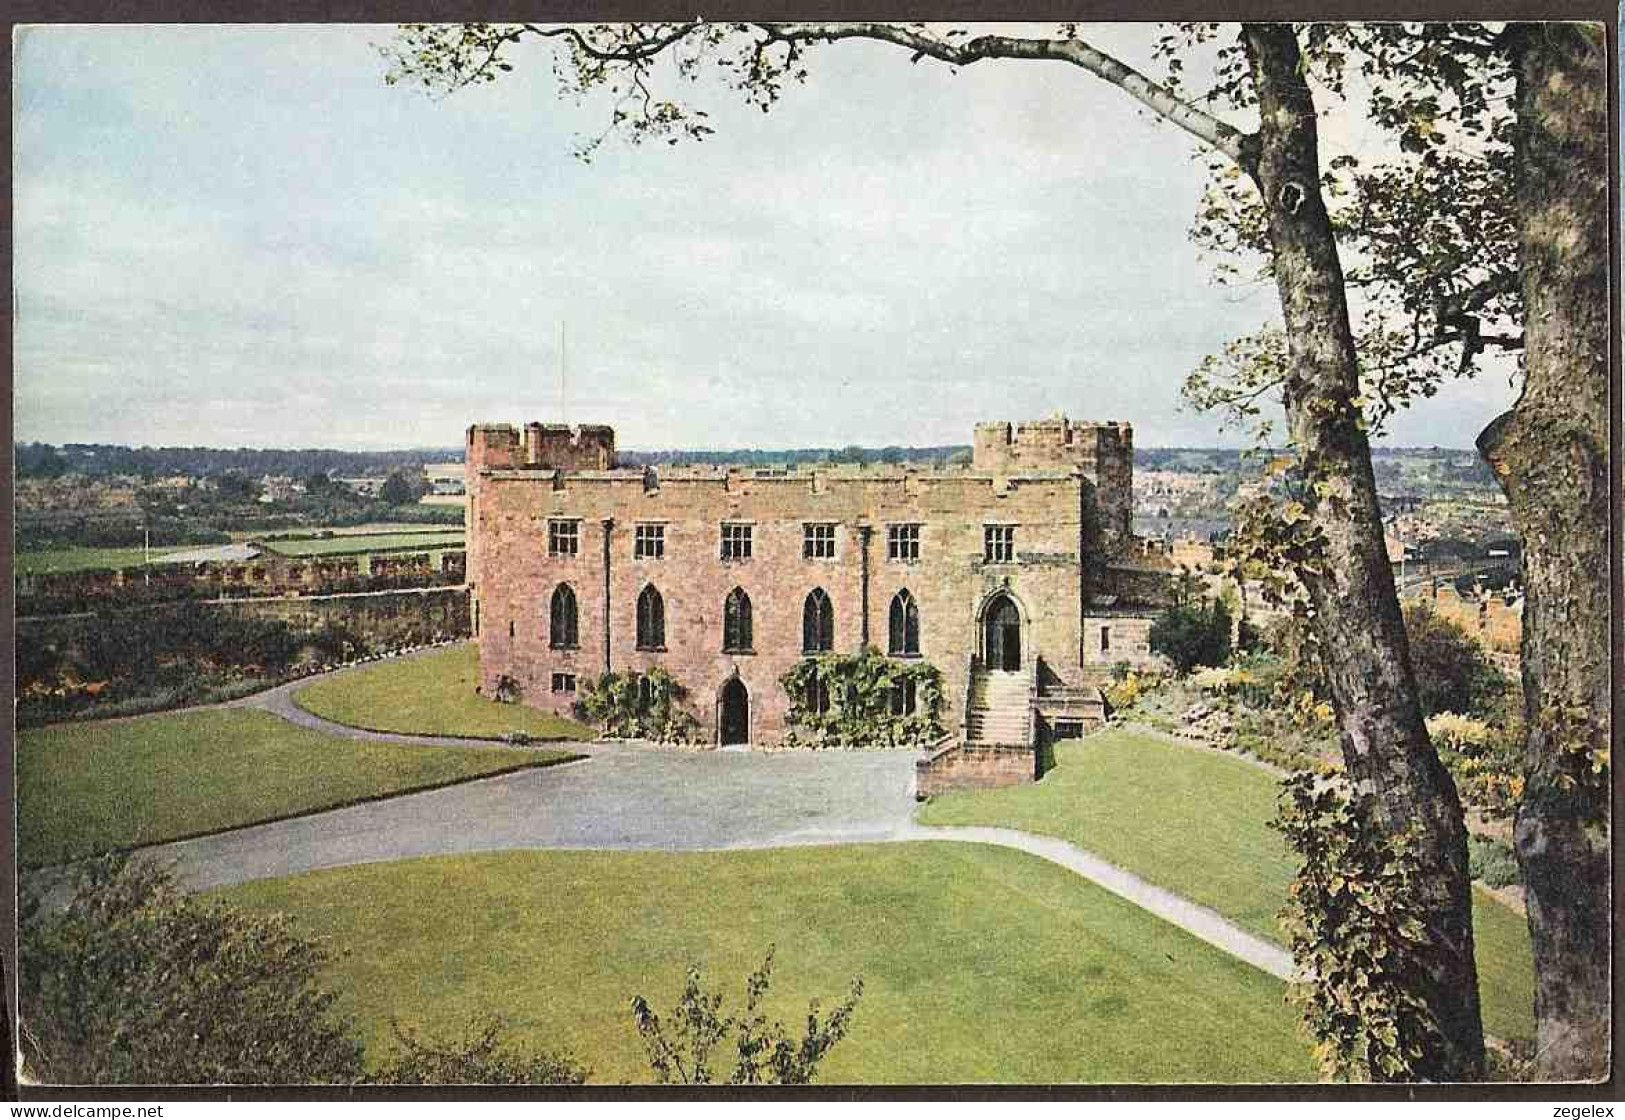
column 240, row 235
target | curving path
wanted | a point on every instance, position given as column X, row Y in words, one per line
column 625, row 796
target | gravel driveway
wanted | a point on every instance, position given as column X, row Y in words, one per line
column 620, row 797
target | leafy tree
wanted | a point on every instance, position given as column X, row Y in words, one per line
column 40, row 460
column 1249, row 638
column 1452, row 673
column 1488, row 231
column 136, row 982
column 1192, row 634
column 234, row 487
column 401, row 489
column 1327, row 525
column 680, row 1046
column 480, row 1056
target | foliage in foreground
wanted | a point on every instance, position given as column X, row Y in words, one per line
column 1355, row 923
column 479, row 1056
column 137, row 982
column 679, row 1048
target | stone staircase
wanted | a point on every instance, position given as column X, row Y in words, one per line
column 998, row 709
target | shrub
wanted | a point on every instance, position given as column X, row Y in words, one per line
column 865, row 695
column 638, row 705
column 479, row 1057
column 1249, row 638
column 1453, row 674
column 1492, row 862
column 1356, row 931
column 1459, row 733
column 679, row 1048
column 1483, row 759
column 1189, row 635
column 508, row 690
column 138, row 982
column 1122, row 694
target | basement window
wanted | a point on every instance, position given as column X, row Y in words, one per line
column 564, row 682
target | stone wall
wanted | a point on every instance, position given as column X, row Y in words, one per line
column 1113, row 638
column 964, row 767
column 270, row 574
column 384, row 619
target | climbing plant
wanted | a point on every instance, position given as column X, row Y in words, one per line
column 634, row 705
column 1356, row 922
column 845, row 701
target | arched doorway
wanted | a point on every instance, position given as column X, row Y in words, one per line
column 1003, row 638
column 734, row 716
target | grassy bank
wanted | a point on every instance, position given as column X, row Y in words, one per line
column 432, row 694
column 979, row 964
column 1195, row 822
column 90, row 787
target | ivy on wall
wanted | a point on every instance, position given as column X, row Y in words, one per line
column 633, row 705
column 847, row 701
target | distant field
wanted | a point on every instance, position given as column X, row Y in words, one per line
column 86, row 559
column 371, row 527
column 356, row 543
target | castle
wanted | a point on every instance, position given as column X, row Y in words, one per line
column 1017, row 577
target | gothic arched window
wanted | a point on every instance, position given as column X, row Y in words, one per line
column 817, row 623
column 562, row 632
column 736, row 622
column 904, row 632
column 651, row 619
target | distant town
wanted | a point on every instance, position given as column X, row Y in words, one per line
column 108, row 525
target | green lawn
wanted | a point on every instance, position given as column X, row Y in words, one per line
column 89, row 787
column 979, row 964
column 1195, row 823
column 432, row 694
column 357, row 543
column 85, row 559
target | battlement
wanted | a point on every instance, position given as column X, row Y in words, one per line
column 586, row 447
column 1055, row 442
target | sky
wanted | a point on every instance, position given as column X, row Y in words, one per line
column 240, row 236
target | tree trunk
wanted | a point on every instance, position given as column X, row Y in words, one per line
column 1550, row 453
column 1386, row 748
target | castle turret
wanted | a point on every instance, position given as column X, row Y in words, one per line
column 1103, row 451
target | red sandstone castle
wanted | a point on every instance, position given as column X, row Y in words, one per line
column 1015, row 577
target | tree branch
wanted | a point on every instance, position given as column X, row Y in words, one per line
column 1239, row 146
